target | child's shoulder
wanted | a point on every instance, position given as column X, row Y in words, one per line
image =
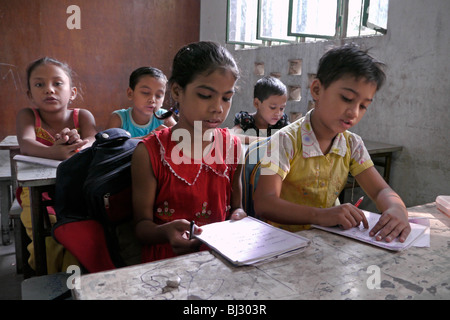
column 355, row 144
column 27, row 117
column 81, row 112
column 122, row 111
column 231, row 138
column 353, row 138
column 162, row 136
column 83, row 118
column 226, row 133
column 27, row 111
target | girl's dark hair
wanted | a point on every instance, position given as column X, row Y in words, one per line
column 349, row 59
column 145, row 71
column 47, row 60
column 269, row 86
column 198, row 58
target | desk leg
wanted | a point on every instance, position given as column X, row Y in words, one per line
column 39, row 234
column 387, row 168
column 385, row 163
column 5, row 203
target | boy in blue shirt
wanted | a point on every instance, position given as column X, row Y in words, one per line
column 147, row 87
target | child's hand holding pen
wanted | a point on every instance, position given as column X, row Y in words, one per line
column 238, row 214
column 191, row 230
column 345, row 216
column 364, row 220
column 178, row 234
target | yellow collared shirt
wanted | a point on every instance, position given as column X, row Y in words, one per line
column 309, row 177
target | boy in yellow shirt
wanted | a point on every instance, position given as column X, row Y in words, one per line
column 307, row 163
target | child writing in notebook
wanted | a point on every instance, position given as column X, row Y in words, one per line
column 269, row 100
column 189, row 172
column 147, row 87
column 308, row 162
column 52, row 130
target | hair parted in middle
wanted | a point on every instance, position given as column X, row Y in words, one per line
column 199, row 58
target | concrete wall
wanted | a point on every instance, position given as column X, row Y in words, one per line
column 410, row 110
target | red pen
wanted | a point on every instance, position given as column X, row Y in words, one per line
column 359, row 201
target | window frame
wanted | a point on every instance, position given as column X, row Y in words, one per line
column 338, row 25
column 341, row 26
column 259, row 27
column 366, row 19
column 243, row 43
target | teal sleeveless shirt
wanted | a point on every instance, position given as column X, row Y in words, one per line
column 135, row 129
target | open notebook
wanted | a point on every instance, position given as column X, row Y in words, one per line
column 248, row 241
column 362, row 234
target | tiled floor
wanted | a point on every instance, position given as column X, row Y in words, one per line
column 10, row 281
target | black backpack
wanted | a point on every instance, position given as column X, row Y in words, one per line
column 93, row 197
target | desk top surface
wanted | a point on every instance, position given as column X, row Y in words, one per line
column 374, row 147
column 32, row 175
column 10, row 142
column 332, row 267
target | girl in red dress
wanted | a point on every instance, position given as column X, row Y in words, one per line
column 191, row 171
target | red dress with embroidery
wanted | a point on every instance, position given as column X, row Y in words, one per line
column 190, row 189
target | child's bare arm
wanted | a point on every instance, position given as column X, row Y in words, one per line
column 269, row 205
column 114, row 121
column 87, row 126
column 26, row 137
column 393, row 222
column 144, row 185
column 237, row 212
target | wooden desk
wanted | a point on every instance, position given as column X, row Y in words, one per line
column 39, row 179
column 332, row 267
column 9, row 143
column 381, row 154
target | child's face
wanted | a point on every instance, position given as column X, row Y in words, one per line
column 148, row 95
column 342, row 105
column 271, row 109
column 207, row 99
column 50, row 88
